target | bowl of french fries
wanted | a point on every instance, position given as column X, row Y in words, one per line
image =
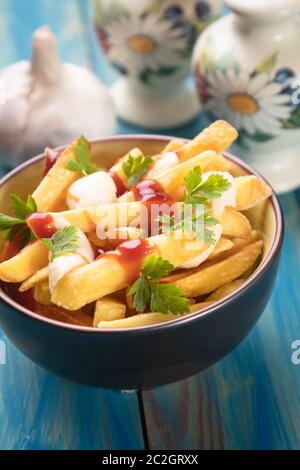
column 135, row 261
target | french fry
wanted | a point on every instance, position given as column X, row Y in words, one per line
column 108, row 309
column 222, row 246
column 173, row 145
column 50, row 193
column 145, row 319
column 26, row 263
column 41, row 293
column 213, row 275
column 225, row 290
column 173, row 180
column 118, row 166
column 251, row 191
column 106, row 275
column 218, row 137
column 115, row 236
column 234, row 223
column 40, row 276
column 112, row 215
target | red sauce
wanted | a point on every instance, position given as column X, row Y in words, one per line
column 12, row 247
column 42, row 225
column 121, row 188
column 51, row 157
column 131, row 256
column 151, row 193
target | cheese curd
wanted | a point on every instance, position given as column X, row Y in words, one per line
column 61, row 265
column 97, row 188
column 167, row 161
column 195, row 262
column 228, row 198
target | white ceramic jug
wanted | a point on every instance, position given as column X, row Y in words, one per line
column 247, row 70
column 150, row 43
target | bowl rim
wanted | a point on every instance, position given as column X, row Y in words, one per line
column 180, row 320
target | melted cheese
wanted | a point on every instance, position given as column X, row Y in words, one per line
column 97, row 188
column 195, row 262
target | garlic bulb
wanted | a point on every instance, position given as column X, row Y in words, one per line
column 49, row 103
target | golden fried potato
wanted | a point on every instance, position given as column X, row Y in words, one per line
column 40, row 276
column 118, row 166
column 251, row 191
column 234, row 223
column 145, row 319
column 106, row 275
column 108, row 309
column 222, row 246
column 173, row 145
column 218, row 137
column 26, row 263
column 50, row 193
column 173, row 180
column 225, row 290
column 213, row 275
column 41, row 293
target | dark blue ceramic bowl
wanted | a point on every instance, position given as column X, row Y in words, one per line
column 145, row 357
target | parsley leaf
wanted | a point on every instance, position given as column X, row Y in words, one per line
column 156, row 268
column 7, row 222
column 214, row 186
column 163, row 298
column 135, row 167
column 20, row 208
column 63, row 241
column 12, row 226
column 167, row 298
column 141, row 292
column 196, row 224
column 82, row 160
column 199, row 191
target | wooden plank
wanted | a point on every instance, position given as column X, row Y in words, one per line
column 37, row 409
column 41, row 411
column 250, row 400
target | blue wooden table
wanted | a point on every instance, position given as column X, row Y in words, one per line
column 250, row 400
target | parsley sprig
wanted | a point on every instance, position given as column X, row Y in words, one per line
column 199, row 191
column 82, row 160
column 136, row 167
column 163, row 298
column 63, row 242
column 194, row 225
column 11, row 226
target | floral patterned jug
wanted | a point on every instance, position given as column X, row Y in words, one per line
column 149, row 42
column 246, row 67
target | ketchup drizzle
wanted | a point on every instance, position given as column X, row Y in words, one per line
column 42, row 225
column 121, row 188
column 131, row 256
column 151, row 192
column 51, row 157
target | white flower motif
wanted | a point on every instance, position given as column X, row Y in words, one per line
column 138, row 43
column 249, row 103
